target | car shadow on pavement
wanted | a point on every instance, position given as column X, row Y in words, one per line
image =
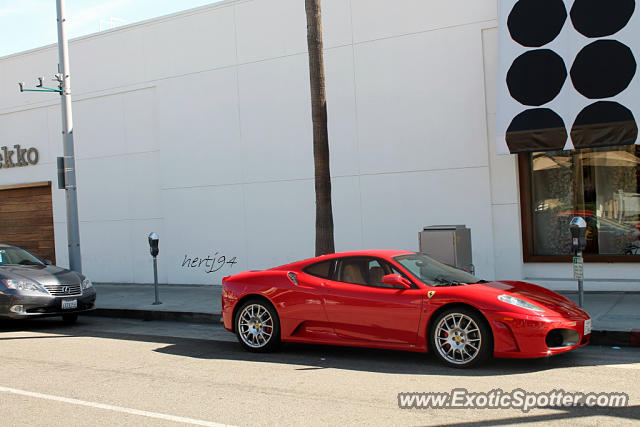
column 306, row 357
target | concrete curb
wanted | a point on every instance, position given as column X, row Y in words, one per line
column 616, row 338
column 606, row 338
column 174, row 316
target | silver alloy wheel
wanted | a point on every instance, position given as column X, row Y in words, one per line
column 458, row 338
column 255, row 325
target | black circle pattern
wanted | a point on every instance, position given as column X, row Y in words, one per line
column 602, row 122
column 603, row 69
column 601, row 18
column 537, row 129
column 534, row 23
column 536, row 77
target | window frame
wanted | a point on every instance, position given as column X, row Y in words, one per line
column 526, row 218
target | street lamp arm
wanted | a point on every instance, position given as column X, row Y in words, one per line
column 44, row 89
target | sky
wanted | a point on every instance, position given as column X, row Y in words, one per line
column 28, row 24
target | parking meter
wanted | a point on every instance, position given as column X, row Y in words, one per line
column 153, row 244
column 153, row 248
column 578, row 227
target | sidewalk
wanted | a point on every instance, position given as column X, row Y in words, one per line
column 188, row 303
column 616, row 315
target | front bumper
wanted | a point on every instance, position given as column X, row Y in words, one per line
column 45, row 305
column 526, row 336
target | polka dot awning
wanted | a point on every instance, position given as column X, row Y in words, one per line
column 567, row 74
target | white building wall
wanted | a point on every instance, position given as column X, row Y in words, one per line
column 198, row 126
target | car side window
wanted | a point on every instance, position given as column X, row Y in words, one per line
column 320, row 269
column 382, row 268
column 393, row 270
column 364, row 271
column 375, row 272
column 353, row 270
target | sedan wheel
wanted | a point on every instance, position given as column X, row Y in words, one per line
column 460, row 338
column 257, row 326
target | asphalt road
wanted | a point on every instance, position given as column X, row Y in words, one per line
column 115, row 372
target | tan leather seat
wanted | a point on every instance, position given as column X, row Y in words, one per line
column 353, row 274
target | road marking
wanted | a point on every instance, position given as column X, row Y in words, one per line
column 112, row 408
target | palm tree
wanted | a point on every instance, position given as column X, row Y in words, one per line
column 324, row 211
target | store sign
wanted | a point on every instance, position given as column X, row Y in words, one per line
column 18, row 157
column 567, row 74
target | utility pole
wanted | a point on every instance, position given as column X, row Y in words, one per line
column 73, row 231
column 66, row 164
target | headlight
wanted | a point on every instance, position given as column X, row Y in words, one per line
column 24, row 285
column 518, row 302
column 86, row 283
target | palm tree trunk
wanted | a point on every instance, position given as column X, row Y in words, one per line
column 324, row 210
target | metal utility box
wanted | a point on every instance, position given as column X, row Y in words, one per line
column 450, row 244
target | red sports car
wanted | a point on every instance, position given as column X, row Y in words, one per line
column 399, row 300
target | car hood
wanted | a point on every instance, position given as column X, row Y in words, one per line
column 43, row 274
column 539, row 296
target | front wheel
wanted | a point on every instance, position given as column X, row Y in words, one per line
column 461, row 338
column 257, row 326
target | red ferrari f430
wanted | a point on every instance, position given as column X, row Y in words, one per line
column 399, row 300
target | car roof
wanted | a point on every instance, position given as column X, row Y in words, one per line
column 380, row 253
column 6, row 245
column 384, row 253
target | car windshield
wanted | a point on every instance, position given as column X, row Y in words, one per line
column 17, row 256
column 434, row 273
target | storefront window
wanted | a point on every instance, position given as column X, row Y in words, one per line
column 600, row 184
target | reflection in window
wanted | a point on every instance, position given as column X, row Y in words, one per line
column 600, row 184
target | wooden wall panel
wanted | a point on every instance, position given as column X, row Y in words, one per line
column 26, row 219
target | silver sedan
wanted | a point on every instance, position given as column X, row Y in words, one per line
column 31, row 287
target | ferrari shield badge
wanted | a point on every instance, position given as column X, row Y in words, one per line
column 430, row 294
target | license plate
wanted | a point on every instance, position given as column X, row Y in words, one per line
column 69, row 304
column 587, row 327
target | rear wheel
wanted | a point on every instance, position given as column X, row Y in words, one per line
column 257, row 326
column 69, row 319
column 461, row 338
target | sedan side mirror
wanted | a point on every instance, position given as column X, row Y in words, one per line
column 396, row 280
column 47, row 262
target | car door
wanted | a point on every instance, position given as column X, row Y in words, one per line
column 306, row 306
column 361, row 307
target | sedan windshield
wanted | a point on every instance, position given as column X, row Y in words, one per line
column 17, row 256
column 434, row 273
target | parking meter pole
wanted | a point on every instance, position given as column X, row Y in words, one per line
column 154, row 250
column 580, row 285
column 155, row 280
column 578, row 228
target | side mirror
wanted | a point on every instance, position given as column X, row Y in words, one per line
column 396, row 280
column 47, row 262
